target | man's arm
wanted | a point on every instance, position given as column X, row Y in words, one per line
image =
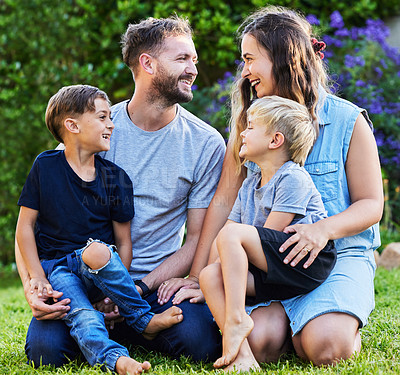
column 179, row 263
column 40, row 309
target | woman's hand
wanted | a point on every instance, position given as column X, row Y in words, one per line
column 194, row 295
column 310, row 238
column 168, row 288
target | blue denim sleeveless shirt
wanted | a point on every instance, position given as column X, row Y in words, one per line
column 326, row 165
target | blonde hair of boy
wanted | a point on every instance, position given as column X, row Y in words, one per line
column 291, row 119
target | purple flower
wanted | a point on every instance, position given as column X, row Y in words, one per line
column 376, row 107
column 351, row 61
column 376, row 30
column 378, row 71
column 392, row 52
column 228, row 75
column 355, row 33
column 360, row 83
column 313, row 19
column 332, row 41
column 336, row 20
column 342, row 33
column 194, row 87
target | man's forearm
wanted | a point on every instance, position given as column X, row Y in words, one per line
column 177, row 265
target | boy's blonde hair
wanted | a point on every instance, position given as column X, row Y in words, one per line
column 291, row 119
column 70, row 101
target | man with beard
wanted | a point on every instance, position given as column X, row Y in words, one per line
column 174, row 161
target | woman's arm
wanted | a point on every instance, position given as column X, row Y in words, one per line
column 365, row 187
column 216, row 216
column 218, row 211
column 123, row 242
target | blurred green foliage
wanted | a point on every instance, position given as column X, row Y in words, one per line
column 45, row 45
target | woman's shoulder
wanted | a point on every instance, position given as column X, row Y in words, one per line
column 335, row 108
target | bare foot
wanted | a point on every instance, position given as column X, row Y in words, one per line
column 245, row 361
column 232, row 338
column 128, row 366
column 162, row 321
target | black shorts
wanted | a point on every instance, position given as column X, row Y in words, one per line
column 283, row 281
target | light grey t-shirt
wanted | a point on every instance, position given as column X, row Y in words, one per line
column 291, row 189
column 173, row 169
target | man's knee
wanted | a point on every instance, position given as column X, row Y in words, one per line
column 96, row 255
column 49, row 343
column 197, row 336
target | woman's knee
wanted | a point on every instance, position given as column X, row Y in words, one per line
column 328, row 339
column 96, row 255
column 270, row 337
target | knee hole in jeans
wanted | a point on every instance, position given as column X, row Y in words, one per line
column 96, row 255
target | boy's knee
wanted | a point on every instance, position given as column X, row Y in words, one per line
column 96, row 255
column 228, row 235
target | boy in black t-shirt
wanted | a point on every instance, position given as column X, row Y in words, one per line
column 70, row 197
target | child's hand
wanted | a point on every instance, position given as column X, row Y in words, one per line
column 194, row 296
column 42, row 285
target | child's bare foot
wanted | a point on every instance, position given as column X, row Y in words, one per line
column 232, row 338
column 245, row 361
column 162, row 321
column 128, row 366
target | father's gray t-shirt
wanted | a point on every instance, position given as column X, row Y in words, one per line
column 172, row 169
column 291, row 189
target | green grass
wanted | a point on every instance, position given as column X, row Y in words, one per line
column 380, row 353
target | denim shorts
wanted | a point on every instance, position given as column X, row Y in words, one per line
column 348, row 289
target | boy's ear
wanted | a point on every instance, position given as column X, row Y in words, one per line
column 277, row 140
column 147, row 63
column 71, row 125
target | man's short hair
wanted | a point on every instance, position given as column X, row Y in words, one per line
column 288, row 117
column 70, row 101
column 149, row 35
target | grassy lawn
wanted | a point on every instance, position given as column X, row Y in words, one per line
column 380, row 353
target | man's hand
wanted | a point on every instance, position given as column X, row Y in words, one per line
column 41, row 286
column 194, row 296
column 110, row 310
column 168, row 288
column 47, row 308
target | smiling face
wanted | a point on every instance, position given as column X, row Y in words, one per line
column 175, row 70
column 255, row 140
column 257, row 67
column 95, row 127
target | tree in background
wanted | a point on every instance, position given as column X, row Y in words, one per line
column 45, row 45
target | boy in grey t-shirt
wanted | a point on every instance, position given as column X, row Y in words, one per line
column 278, row 138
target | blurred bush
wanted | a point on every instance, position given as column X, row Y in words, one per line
column 45, row 45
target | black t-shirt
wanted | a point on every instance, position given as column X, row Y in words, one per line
column 71, row 210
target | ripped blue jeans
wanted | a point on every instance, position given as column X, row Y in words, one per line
column 80, row 284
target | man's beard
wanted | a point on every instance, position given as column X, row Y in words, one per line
column 166, row 91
